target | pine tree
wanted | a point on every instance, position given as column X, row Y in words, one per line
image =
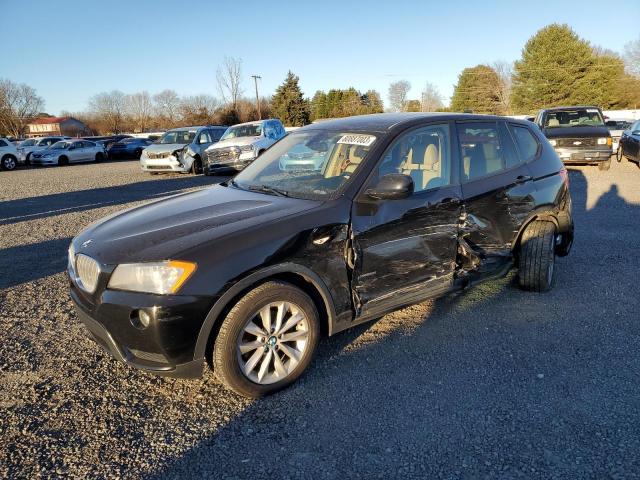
column 478, row 89
column 555, row 69
column 289, row 104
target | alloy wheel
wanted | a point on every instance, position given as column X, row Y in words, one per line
column 272, row 342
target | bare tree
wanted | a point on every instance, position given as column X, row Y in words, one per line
column 199, row 109
column 139, row 108
column 167, row 106
column 632, row 57
column 431, row 98
column 19, row 103
column 111, row 107
column 229, row 76
column 398, row 92
column 505, row 73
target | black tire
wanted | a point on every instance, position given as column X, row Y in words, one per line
column 537, row 257
column 226, row 356
column 62, row 161
column 604, row 166
column 27, row 160
column 99, row 157
column 196, row 166
column 138, row 153
column 9, row 162
column 619, row 154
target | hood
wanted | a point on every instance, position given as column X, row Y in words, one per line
column 234, row 142
column 576, row 132
column 170, row 227
column 165, row 147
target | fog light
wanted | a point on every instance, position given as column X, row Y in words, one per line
column 140, row 319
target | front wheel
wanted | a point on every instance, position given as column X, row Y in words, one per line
column 196, row 167
column 267, row 340
column 619, row 154
column 99, row 157
column 604, row 166
column 9, row 162
column 537, row 257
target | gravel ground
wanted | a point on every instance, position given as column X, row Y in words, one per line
column 492, row 382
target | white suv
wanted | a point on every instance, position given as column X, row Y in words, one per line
column 8, row 155
column 241, row 144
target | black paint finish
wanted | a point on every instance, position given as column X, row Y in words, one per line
column 359, row 257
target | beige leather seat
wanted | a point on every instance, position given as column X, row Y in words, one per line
column 345, row 161
column 553, row 122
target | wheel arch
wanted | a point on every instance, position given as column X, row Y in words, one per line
column 298, row 275
column 543, row 215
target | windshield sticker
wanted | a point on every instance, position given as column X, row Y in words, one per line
column 592, row 110
column 354, row 139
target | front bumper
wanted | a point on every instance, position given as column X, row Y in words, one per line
column 230, row 166
column 43, row 160
column 167, row 164
column 584, row 156
column 165, row 347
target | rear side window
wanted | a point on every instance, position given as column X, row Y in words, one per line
column 216, row 134
column 481, row 151
column 526, row 141
column 3, row 143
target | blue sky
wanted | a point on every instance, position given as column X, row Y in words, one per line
column 71, row 50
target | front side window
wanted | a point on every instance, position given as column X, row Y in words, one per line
column 28, row 143
column 573, row 117
column 215, row 134
column 60, row 145
column 204, row 137
column 527, row 143
column 254, row 130
column 182, row 137
column 481, row 151
column 423, row 154
column 314, row 164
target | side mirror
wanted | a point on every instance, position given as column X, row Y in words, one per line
column 635, row 132
column 392, row 186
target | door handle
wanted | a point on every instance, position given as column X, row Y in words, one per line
column 523, row 178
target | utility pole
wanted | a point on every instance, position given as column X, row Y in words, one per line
column 255, row 80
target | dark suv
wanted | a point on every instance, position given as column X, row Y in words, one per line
column 246, row 274
column 578, row 134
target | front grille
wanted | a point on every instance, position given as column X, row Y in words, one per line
column 223, row 155
column 573, row 142
column 88, row 270
column 155, row 156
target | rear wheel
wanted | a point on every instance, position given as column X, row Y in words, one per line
column 27, row 160
column 138, row 153
column 267, row 340
column 619, row 154
column 9, row 162
column 604, row 166
column 537, row 256
column 62, row 161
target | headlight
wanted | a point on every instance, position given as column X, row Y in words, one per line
column 553, row 143
column 604, row 141
column 248, row 149
column 158, row 277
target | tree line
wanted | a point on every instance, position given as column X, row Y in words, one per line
column 556, row 67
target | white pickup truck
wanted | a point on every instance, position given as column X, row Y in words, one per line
column 242, row 144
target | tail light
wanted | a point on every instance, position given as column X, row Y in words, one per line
column 564, row 174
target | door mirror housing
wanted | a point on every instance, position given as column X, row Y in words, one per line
column 392, row 186
column 635, row 132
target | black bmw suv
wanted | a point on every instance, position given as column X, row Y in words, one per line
column 400, row 208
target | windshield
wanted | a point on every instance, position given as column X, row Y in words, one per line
column 178, row 136
column 243, row 131
column 59, row 145
column 575, row 117
column 313, row 164
column 28, row 143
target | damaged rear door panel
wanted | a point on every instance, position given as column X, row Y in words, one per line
column 498, row 191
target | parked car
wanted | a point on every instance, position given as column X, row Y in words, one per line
column 629, row 147
column 65, row 152
column 616, row 127
column 8, row 155
column 180, row 149
column 128, row 147
column 241, row 145
column 30, row 145
column 248, row 273
column 578, row 135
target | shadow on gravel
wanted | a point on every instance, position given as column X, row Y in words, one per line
column 24, row 209
column 493, row 382
column 27, row 263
